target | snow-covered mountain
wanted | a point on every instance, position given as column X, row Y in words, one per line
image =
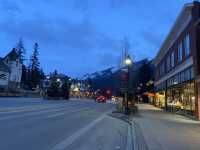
column 112, row 70
column 103, row 73
column 110, row 78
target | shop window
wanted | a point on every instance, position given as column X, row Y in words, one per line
column 160, row 99
column 188, row 98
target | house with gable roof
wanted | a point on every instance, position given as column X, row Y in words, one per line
column 10, row 71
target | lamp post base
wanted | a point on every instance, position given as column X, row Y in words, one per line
column 127, row 111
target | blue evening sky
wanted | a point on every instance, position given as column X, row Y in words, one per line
column 83, row 36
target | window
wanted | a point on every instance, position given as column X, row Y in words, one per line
column 187, row 45
column 163, row 67
column 180, row 52
column 172, row 59
column 168, row 62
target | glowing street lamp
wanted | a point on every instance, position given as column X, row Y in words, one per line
column 128, row 63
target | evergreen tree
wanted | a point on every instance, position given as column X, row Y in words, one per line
column 35, row 66
column 20, row 49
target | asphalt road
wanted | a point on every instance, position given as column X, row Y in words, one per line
column 34, row 124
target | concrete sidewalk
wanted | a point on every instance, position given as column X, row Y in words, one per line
column 155, row 129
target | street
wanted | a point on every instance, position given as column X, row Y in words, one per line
column 36, row 124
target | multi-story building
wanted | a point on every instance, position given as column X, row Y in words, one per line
column 177, row 77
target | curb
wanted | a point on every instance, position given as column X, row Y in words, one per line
column 130, row 141
column 130, row 138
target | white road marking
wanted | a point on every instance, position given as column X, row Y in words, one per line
column 24, row 107
column 69, row 140
column 27, row 109
column 30, row 108
column 35, row 113
column 63, row 113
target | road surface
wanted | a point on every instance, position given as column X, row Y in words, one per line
column 34, row 124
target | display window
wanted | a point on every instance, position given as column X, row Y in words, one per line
column 182, row 98
column 160, row 99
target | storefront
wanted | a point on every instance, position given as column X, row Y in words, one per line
column 160, row 95
column 177, row 64
column 181, row 98
column 160, row 99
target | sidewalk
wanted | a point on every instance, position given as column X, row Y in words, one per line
column 155, row 129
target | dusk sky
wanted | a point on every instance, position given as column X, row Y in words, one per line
column 83, row 36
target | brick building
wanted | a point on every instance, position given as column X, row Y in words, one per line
column 177, row 77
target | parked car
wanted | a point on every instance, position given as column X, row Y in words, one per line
column 101, row 99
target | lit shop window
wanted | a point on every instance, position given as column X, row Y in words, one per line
column 180, row 52
column 187, row 45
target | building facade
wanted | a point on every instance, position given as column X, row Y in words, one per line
column 10, row 71
column 4, row 75
column 13, row 62
column 177, row 76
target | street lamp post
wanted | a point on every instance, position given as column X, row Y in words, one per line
column 128, row 63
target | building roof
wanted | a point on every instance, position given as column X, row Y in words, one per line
column 12, row 55
column 182, row 21
column 3, row 66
